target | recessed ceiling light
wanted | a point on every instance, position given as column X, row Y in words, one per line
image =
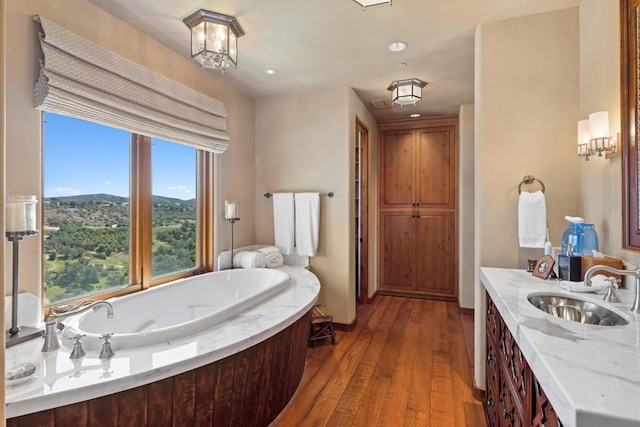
column 414, row 115
column 271, row 71
column 397, row 46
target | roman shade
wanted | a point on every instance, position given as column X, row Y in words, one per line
column 82, row 79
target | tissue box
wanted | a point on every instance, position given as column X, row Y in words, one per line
column 589, row 261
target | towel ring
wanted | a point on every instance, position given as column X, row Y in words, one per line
column 528, row 180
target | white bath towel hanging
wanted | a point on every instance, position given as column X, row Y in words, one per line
column 532, row 219
column 283, row 222
column 307, row 213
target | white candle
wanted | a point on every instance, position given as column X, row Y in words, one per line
column 231, row 210
column 20, row 213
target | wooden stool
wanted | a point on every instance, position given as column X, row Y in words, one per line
column 321, row 325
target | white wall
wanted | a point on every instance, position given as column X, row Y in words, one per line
column 600, row 179
column 306, row 142
column 466, row 208
column 526, row 112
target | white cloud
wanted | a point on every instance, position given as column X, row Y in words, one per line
column 107, row 182
column 180, row 188
column 65, row 191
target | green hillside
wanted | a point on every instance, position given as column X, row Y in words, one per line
column 86, row 247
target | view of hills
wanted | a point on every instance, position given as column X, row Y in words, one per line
column 86, row 247
column 110, row 198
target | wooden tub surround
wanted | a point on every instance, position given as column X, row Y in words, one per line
column 249, row 388
column 242, row 372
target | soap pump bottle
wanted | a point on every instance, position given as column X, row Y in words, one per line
column 548, row 247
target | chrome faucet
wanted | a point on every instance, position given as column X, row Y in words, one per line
column 635, row 273
column 51, row 341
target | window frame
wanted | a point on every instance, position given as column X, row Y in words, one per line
column 141, row 221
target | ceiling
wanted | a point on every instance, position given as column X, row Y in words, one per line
column 320, row 44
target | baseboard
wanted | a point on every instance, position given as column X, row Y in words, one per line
column 478, row 393
column 372, row 298
column 465, row 310
column 346, row 327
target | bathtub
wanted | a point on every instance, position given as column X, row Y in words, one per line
column 175, row 310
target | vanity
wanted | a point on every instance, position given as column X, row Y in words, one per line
column 545, row 370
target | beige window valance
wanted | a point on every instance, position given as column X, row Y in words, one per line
column 82, row 79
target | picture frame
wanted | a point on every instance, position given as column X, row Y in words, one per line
column 544, row 267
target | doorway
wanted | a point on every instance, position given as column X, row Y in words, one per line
column 361, row 213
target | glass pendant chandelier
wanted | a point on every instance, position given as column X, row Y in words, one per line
column 406, row 92
column 214, row 39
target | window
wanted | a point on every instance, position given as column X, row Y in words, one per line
column 174, row 208
column 121, row 211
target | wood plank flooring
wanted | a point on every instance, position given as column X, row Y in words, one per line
column 408, row 362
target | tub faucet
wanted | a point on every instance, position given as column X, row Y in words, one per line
column 51, row 341
column 635, row 273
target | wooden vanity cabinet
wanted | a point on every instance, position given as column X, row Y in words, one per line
column 417, row 210
column 513, row 395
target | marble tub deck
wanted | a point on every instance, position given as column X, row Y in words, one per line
column 60, row 381
column 591, row 374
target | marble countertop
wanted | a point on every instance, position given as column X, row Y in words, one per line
column 591, row 374
column 60, row 381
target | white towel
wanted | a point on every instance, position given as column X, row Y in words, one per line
column 532, row 219
column 283, row 222
column 268, row 250
column 249, row 259
column 274, row 260
column 307, row 223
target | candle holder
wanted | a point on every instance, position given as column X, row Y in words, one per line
column 232, row 221
column 231, row 214
column 17, row 334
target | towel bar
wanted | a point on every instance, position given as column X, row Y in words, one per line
column 329, row 195
column 528, row 180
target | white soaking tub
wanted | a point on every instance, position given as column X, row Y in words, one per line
column 176, row 309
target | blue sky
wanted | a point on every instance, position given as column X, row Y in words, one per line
column 87, row 158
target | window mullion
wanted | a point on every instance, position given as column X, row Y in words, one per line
column 141, row 214
column 205, row 221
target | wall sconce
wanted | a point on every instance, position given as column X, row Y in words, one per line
column 406, row 92
column 594, row 137
column 214, row 39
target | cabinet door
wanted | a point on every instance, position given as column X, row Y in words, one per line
column 398, row 171
column 435, row 253
column 543, row 413
column 508, row 411
column 397, row 251
column 436, row 168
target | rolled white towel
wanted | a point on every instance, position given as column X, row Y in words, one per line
column 274, row 260
column 268, row 250
column 248, row 259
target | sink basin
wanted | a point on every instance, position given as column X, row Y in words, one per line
column 576, row 310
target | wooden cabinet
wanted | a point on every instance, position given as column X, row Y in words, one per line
column 418, row 208
column 418, row 168
column 513, row 395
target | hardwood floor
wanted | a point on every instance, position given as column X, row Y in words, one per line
column 408, row 362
